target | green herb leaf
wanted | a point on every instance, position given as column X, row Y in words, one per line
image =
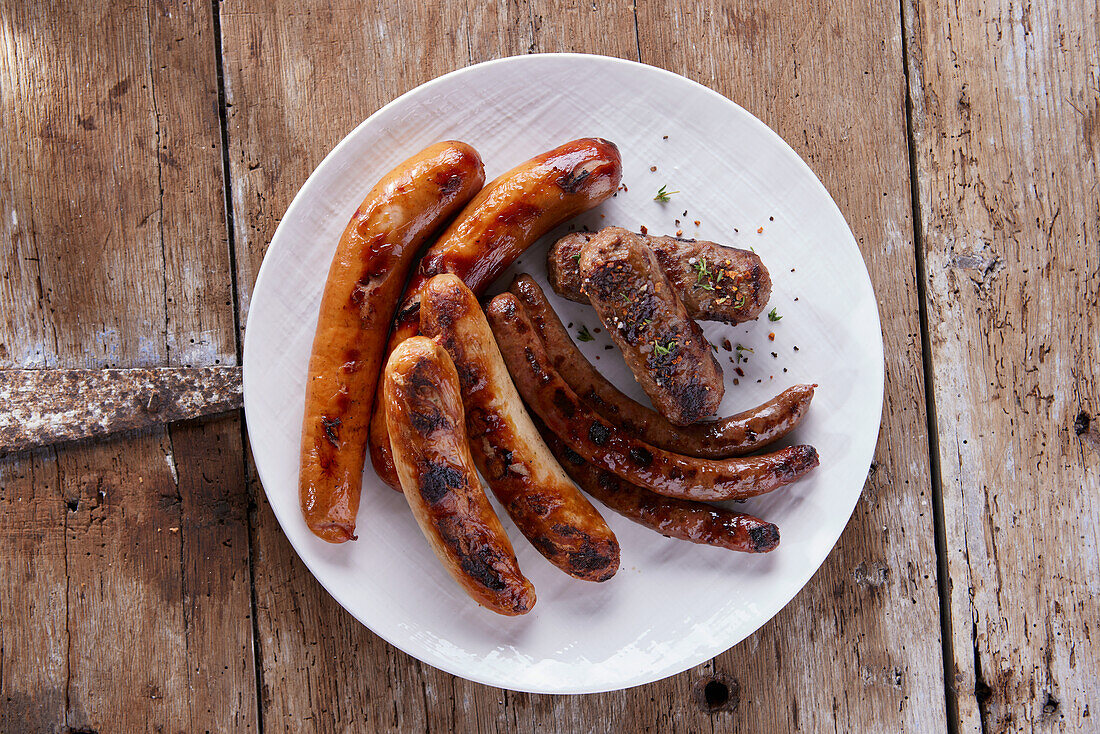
column 773, row 316
column 742, row 348
column 584, row 335
column 663, row 195
column 702, row 274
column 664, row 351
column 577, row 258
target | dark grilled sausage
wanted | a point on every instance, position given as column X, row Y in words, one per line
column 741, row 434
column 423, row 408
column 537, row 494
column 696, row 522
column 597, row 441
column 500, row 223
column 662, row 345
column 364, row 282
column 716, row 283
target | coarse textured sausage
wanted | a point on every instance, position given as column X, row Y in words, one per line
column 364, row 282
column 597, row 441
column 661, row 344
column 423, row 407
column 715, row 282
column 737, row 435
column 500, row 223
column 540, row 498
column 696, row 522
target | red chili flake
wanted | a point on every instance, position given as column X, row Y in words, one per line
column 653, row 168
column 771, row 337
column 696, row 222
column 643, row 229
column 792, row 270
column 739, row 371
column 760, row 231
column 603, row 216
column 625, row 188
column 726, row 345
column 664, row 137
column 596, row 330
column 677, row 222
column 679, row 232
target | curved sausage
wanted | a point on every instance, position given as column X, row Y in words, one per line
column 662, row 346
column 545, row 505
column 364, row 282
column 599, row 442
column 423, row 408
column 696, row 522
column 715, row 282
column 496, row 227
column 741, row 434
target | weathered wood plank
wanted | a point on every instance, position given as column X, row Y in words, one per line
column 872, row 614
column 110, row 188
column 1006, row 126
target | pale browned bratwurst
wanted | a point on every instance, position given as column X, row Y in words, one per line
column 736, row 435
column 519, row 468
column 662, row 345
column 423, row 408
column 716, row 283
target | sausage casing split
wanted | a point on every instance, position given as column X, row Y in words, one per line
column 696, row 522
column 599, row 442
column 423, row 407
column 715, row 282
column 364, row 282
column 507, row 449
column 661, row 344
column 502, row 221
column 736, row 435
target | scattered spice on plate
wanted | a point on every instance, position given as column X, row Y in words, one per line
column 771, row 219
column 775, row 356
column 696, row 222
column 663, row 194
column 584, row 335
column 596, row 330
column 643, row 229
column 726, row 345
column 739, row 371
column 653, row 168
column 736, row 381
column 760, row 230
column 664, row 137
column 771, row 337
column 608, row 346
column 679, row 233
column 796, row 349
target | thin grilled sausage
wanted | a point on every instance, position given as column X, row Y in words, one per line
column 599, row 442
column 423, row 407
column 661, row 344
column 545, row 505
column 364, row 282
column 715, row 282
column 496, row 227
column 696, row 522
column 737, row 435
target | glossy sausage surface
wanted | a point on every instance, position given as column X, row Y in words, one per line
column 736, row 435
column 507, row 449
column 601, row 443
column 696, row 522
column 423, row 407
column 502, row 221
column 661, row 344
column 364, row 283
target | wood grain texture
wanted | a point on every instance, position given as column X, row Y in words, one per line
column 110, row 188
column 1006, row 126
column 860, row 646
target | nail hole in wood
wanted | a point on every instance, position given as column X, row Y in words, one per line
column 1081, row 425
column 717, row 693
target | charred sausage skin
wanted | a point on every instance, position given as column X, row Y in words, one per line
column 364, row 282
column 502, row 221
column 696, row 522
column 506, row 447
column 661, row 344
column 601, row 443
column 736, row 435
column 423, row 408
column 715, row 282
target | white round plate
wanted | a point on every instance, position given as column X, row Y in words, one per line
column 673, row 604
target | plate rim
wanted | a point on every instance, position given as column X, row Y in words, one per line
column 769, row 612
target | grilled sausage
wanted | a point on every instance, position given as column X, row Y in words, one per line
column 537, row 494
column 734, row 436
column 696, row 522
column 361, row 293
column 716, row 283
column 423, row 408
column 500, row 223
column 597, row 441
column 662, row 346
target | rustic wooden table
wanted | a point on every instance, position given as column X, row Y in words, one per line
column 146, row 155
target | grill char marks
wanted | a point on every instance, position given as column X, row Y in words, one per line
column 662, row 345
